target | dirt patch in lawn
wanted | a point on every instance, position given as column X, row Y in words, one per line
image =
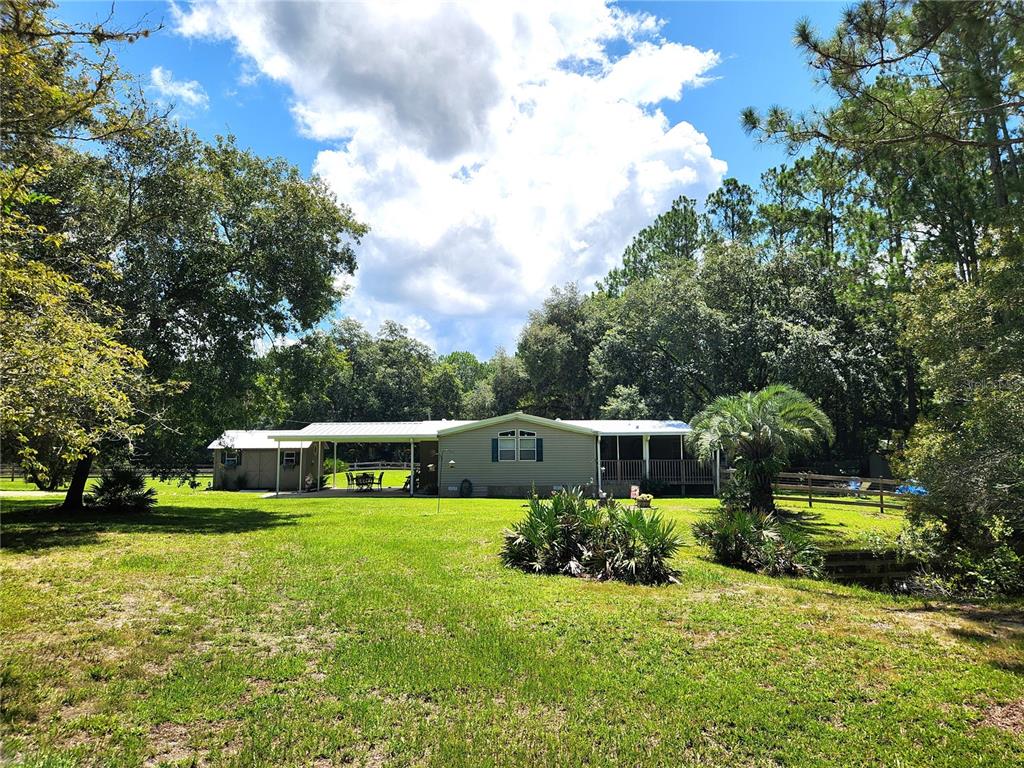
column 953, row 624
column 169, row 744
column 1006, row 717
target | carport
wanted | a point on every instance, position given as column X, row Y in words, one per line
column 420, row 435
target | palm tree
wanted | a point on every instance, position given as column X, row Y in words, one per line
column 758, row 431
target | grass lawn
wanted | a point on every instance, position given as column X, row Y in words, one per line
column 228, row 629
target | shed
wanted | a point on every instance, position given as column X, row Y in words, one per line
column 248, row 459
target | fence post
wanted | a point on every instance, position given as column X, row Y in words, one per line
column 810, row 493
column 881, row 497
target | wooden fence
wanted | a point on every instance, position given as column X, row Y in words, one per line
column 878, row 492
column 15, row 472
column 360, row 466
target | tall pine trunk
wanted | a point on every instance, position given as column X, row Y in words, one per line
column 75, row 497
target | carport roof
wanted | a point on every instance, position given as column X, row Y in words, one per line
column 371, row 431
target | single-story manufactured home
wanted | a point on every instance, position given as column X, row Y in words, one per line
column 508, row 455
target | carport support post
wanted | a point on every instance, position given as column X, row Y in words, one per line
column 299, row 489
column 334, row 469
column 319, row 461
column 647, row 457
column 599, row 466
column 412, row 471
column 277, row 491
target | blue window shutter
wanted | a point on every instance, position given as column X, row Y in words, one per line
column 494, row 449
column 540, row 449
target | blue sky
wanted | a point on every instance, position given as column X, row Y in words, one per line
column 494, row 152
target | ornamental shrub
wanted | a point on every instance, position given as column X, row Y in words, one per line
column 122, row 489
column 744, row 538
column 570, row 534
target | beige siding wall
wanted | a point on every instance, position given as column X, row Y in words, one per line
column 259, row 470
column 569, row 459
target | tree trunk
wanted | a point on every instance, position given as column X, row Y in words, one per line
column 911, row 369
column 761, row 499
column 74, row 499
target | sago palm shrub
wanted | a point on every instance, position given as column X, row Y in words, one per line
column 570, row 534
column 757, row 432
column 745, row 538
column 122, row 489
column 550, row 538
column 643, row 546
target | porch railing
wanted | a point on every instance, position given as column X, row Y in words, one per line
column 672, row 471
column 622, row 471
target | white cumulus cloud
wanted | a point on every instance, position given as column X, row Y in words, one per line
column 177, row 92
column 495, row 149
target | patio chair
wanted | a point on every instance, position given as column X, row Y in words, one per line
column 350, row 481
column 380, row 481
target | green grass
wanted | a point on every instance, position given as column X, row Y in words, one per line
column 234, row 630
column 17, row 484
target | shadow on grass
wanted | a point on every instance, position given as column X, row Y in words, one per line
column 999, row 627
column 806, row 522
column 29, row 527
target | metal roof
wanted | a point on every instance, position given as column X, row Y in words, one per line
column 402, row 431
column 456, row 427
column 251, row 439
column 632, row 426
column 372, row 431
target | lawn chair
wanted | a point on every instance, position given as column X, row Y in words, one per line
column 380, row 481
column 350, row 481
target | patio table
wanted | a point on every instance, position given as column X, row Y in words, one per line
column 364, row 481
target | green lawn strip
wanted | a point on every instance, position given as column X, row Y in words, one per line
column 255, row 631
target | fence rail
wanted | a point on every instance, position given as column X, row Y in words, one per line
column 371, row 465
column 15, row 472
column 879, row 492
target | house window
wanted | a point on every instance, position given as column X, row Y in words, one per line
column 527, row 445
column 232, row 458
column 507, row 445
column 288, row 459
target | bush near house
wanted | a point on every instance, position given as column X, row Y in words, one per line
column 572, row 535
